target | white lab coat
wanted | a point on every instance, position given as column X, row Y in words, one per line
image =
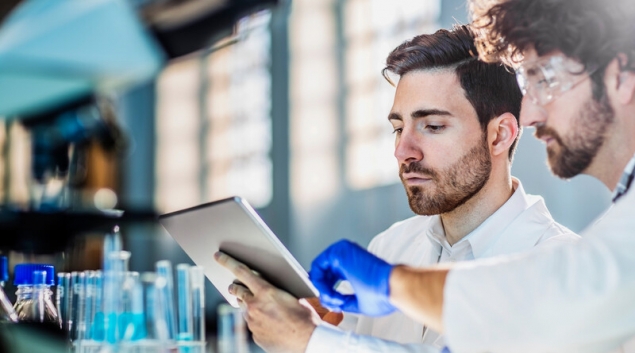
column 576, row 298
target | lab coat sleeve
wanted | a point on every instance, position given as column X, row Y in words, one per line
column 566, row 298
column 349, row 322
column 328, row 338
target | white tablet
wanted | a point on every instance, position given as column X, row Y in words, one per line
column 232, row 226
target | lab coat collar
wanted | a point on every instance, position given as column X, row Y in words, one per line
column 482, row 239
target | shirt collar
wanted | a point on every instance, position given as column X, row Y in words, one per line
column 485, row 234
column 436, row 234
column 625, row 180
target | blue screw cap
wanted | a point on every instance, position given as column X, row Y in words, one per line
column 23, row 274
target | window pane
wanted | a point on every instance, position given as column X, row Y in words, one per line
column 238, row 115
column 214, row 123
column 369, row 148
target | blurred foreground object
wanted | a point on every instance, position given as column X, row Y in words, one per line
column 54, row 52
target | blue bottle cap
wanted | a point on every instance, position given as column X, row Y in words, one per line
column 23, row 274
column 4, row 269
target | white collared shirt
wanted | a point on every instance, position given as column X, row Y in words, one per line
column 517, row 226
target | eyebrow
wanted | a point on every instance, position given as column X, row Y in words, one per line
column 421, row 113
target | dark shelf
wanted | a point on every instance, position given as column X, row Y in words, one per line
column 42, row 232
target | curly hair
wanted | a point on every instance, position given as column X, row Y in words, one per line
column 593, row 32
column 491, row 88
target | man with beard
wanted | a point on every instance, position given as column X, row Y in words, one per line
column 576, row 67
column 455, row 126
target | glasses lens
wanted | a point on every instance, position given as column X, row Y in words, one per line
column 546, row 79
column 526, row 88
column 522, row 82
column 537, row 82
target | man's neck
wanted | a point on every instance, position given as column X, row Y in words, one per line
column 618, row 149
column 464, row 219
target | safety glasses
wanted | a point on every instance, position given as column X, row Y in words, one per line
column 545, row 79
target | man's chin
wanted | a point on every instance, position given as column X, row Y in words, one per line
column 557, row 168
column 422, row 205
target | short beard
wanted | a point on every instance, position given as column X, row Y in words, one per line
column 577, row 150
column 454, row 186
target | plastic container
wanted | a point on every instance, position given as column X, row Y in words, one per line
column 34, row 301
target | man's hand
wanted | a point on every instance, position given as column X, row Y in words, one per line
column 278, row 321
column 368, row 274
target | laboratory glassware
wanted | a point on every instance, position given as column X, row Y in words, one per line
column 34, row 295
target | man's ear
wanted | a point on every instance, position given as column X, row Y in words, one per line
column 503, row 131
column 624, row 80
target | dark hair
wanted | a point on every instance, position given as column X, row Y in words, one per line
column 593, row 32
column 491, row 88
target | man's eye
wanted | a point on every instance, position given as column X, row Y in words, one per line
column 397, row 130
column 435, row 128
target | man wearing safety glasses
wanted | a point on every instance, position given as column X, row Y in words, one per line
column 575, row 63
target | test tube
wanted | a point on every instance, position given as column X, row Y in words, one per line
column 184, row 300
column 161, row 316
column 72, row 307
column 117, row 264
column 61, row 296
column 97, row 325
column 39, row 292
column 156, row 331
column 197, row 279
column 165, row 288
column 112, row 243
column 131, row 319
column 89, row 304
column 232, row 330
column 138, row 309
column 148, row 280
column 79, row 293
column 112, row 279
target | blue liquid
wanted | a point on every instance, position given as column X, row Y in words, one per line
column 97, row 328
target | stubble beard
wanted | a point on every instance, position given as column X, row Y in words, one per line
column 452, row 187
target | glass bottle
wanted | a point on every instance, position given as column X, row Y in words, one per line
column 34, row 301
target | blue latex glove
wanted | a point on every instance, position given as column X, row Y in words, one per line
column 368, row 274
column 446, row 350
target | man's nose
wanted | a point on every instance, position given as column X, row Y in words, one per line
column 531, row 114
column 408, row 148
